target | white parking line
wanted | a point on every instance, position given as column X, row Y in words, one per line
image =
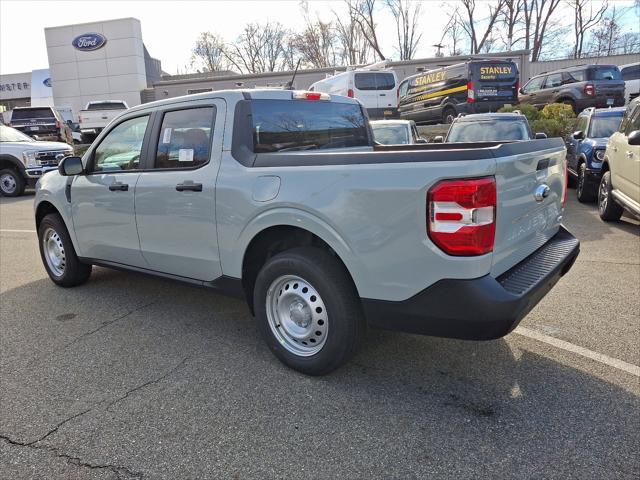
column 584, row 352
column 16, row 231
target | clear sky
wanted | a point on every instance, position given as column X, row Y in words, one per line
column 170, row 28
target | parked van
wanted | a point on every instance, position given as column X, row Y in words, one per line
column 476, row 86
column 375, row 89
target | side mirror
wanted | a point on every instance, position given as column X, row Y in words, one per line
column 438, row 139
column 70, row 166
column 540, row 135
column 634, row 138
column 521, row 91
column 421, row 140
column 579, row 135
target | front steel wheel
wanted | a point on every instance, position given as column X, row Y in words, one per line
column 297, row 315
column 54, row 254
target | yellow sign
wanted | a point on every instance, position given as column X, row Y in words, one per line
column 494, row 70
column 430, row 78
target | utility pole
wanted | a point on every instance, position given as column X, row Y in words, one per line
column 439, row 46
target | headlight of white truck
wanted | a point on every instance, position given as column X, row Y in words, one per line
column 29, row 159
column 600, row 155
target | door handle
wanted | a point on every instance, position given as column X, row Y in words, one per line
column 117, row 186
column 615, row 149
column 383, row 94
column 189, row 186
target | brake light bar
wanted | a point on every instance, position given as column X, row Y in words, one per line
column 350, row 93
column 462, row 216
column 310, row 96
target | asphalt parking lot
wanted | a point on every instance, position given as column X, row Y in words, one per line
column 135, row 377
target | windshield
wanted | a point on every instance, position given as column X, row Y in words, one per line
column 488, row 131
column 8, row 134
column 289, row 125
column 390, row 134
column 604, row 127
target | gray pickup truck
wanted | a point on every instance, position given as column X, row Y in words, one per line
column 282, row 198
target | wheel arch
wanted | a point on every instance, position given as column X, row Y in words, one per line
column 275, row 239
column 9, row 161
column 43, row 209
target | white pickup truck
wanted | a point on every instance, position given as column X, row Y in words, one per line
column 97, row 115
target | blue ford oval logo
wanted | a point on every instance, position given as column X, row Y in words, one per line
column 47, row 82
column 89, row 41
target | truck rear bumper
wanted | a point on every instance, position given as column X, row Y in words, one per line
column 484, row 308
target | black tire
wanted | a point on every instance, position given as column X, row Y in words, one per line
column 585, row 190
column 608, row 209
column 74, row 271
column 12, row 184
column 344, row 318
column 448, row 115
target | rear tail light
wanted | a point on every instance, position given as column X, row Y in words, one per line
column 57, row 124
column 590, row 89
column 462, row 216
column 310, row 96
column 350, row 93
column 471, row 94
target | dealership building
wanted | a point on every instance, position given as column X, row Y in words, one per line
column 108, row 60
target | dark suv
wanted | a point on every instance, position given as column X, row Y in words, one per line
column 41, row 123
column 581, row 86
column 489, row 127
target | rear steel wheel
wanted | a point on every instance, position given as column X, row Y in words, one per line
column 54, row 254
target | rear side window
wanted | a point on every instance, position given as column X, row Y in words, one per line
column 21, row 114
column 553, row 80
column 631, row 73
column 573, row 77
column 185, row 138
column 605, row 73
column 374, row 81
column 290, row 125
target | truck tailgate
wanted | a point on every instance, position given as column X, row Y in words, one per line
column 530, row 182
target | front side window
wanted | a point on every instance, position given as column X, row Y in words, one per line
column 403, row 89
column 534, row 85
column 185, row 138
column 289, row 125
column 582, row 124
column 120, row 149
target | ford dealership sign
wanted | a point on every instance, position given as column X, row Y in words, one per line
column 89, row 41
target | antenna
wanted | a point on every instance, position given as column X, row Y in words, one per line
column 289, row 84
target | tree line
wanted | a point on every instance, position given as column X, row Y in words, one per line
column 474, row 26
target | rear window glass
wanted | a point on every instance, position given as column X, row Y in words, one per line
column 290, row 125
column 390, row 134
column 631, row 73
column 375, row 81
column 107, row 106
column 488, row 131
column 25, row 113
column 605, row 73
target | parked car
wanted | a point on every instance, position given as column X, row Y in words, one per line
column 475, row 86
column 41, row 123
column 282, row 197
column 581, row 86
column 631, row 76
column 24, row 160
column 586, row 148
column 374, row 86
column 620, row 185
column 97, row 115
column 489, row 127
column 396, row 132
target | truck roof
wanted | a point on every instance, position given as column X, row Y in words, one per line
column 238, row 94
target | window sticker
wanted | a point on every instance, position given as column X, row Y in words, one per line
column 166, row 136
column 185, row 155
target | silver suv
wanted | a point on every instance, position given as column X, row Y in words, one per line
column 620, row 184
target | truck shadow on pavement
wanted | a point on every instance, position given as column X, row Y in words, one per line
column 173, row 381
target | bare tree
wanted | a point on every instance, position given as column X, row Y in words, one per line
column 471, row 24
column 354, row 47
column 511, row 19
column 538, row 24
column 362, row 12
column 210, row 52
column 606, row 38
column 259, row 48
column 406, row 14
column 454, row 33
column 585, row 17
column 316, row 44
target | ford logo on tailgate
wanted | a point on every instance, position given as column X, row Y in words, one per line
column 89, row 41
